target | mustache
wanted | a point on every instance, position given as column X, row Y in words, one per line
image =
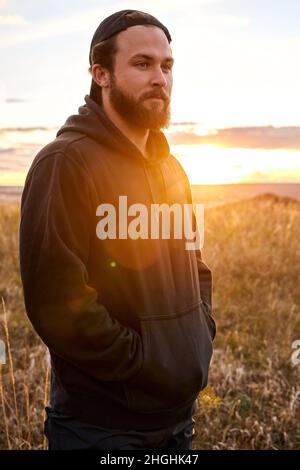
column 157, row 94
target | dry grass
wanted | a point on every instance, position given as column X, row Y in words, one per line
column 22, row 379
column 253, row 249
column 253, row 400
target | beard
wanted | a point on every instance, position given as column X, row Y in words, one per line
column 135, row 112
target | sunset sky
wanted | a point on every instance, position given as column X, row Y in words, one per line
column 237, row 64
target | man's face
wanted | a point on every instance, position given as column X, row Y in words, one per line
column 141, row 84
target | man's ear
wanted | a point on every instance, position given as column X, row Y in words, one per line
column 100, row 75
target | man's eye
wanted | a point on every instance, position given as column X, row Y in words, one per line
column 167, row 67
column 142, row 65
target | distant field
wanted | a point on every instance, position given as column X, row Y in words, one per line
column 253, row 397
column 10, row 194
column 220, row 194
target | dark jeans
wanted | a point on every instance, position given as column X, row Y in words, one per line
column 65, row 433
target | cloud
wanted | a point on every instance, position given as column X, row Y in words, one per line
column 170, row 6
column 194, row 11
column 15, row 100
column 83, row 21
column 26, row 129
column 267, row 137
column 12, row 20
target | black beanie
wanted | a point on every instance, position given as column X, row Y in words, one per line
column 120, row 21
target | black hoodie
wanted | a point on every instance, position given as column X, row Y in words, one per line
column 127, row 321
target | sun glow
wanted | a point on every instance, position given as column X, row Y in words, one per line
column 203, row 163
column 12, row 178
column 208, row 164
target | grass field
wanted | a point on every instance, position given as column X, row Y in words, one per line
column 253, row 397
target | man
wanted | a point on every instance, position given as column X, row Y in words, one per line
column 127, row 320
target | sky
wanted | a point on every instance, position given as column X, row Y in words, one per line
column 237, row 62
column 236, row 95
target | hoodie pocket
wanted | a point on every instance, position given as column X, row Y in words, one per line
column 177, row 354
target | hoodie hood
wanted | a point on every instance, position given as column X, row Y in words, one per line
column 92, row 121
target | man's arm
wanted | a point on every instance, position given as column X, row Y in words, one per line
column 55, row 232
column 205, row 279
column 204, row 272
column 205, row 283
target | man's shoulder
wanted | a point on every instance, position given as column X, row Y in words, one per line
column 63, row 146
column 59, row 156
column 178, row 167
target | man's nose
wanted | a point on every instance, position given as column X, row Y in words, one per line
column 158, row 78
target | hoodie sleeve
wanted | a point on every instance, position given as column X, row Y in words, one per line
column 205, row 279
column 204, row 272
column 55, row 230
column 205, row 282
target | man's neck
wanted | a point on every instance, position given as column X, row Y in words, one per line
column 137, row 135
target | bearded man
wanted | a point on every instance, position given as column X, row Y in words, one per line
column 127, row 321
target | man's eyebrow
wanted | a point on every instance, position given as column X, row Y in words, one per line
column 150, row 58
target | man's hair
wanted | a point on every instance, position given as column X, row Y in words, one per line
column 103, row 54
